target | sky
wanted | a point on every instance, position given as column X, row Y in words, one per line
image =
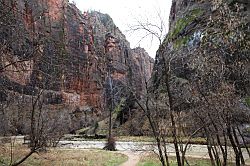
column 128, row 13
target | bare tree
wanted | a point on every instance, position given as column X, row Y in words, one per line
column 203, row 93
column 29, row 100
column 152, row 29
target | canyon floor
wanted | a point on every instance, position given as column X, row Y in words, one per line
column 90, row 153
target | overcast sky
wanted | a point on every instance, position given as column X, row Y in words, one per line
column 126, row 12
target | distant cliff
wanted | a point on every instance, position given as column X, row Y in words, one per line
column 71, row 55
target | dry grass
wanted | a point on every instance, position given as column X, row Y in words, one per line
column 65, row 157
column 152, row 160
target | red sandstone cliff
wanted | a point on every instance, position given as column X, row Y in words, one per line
column 69, row 53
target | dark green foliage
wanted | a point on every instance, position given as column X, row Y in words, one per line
column 247, row 100
column 182, row 23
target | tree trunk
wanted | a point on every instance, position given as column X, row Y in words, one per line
column 23, row 159
column 209, row 145
column 215, row 152
column 210, row 153
column 165, row 151
column 153, row 127
column 156, row 137
column 160, row 151
column 237, row 156
column 238, row 145
column 171, row 109
column 225, row 152
column 244, row 142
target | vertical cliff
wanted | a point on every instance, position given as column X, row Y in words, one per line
column 69, row 54
column 207, row 40
column 200, row 80
column 205, row 61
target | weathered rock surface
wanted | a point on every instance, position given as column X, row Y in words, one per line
column 205, row 61
column 207, row 40
column 69, row 54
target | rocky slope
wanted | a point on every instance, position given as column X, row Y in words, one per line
column 73, row 57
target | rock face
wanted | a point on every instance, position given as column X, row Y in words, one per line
column 71, row 55
column 204, row 31
column 206, row 52
column 201, row 75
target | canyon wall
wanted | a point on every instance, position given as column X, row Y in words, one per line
column 205, row 54
column 69, row 54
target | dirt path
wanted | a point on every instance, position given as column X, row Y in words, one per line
column 133, row 158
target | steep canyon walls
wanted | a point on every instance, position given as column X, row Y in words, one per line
column 50, row 45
